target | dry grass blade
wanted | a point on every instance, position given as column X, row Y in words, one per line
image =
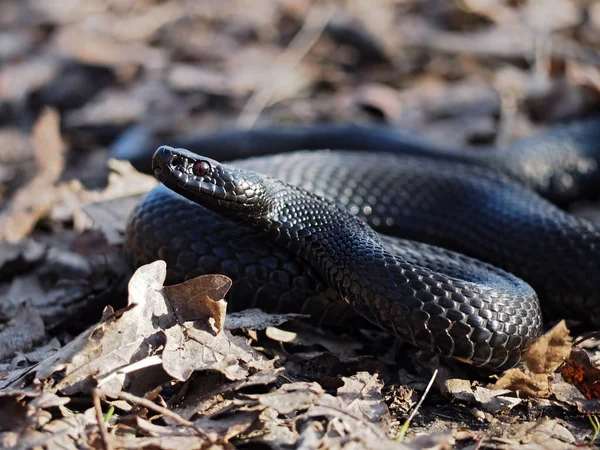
column 406, row 424
column 316, row 20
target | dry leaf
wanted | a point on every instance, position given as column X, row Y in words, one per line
column 35, row 199
column 357, row 414
column 200, row 299
column 487, row 399
column 362, row 395
column 549, row 351
column 12, row 408
column 542, row 358
column 206, row 389
column 293, row 397
column 224, row 427
column 543, row 434
column 22, row 332
column 110, row 208
column 124, row 343
column 578, row 371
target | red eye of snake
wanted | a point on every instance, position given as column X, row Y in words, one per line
column 201, row 168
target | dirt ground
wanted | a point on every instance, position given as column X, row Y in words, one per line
column 85, row 84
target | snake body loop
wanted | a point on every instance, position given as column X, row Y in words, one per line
column 297, row 252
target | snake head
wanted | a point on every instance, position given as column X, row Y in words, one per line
column 208, row 182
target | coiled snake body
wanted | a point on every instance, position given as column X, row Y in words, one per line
column 295, row 251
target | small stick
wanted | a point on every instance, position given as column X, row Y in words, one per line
column 140, row 401
column 101, row 424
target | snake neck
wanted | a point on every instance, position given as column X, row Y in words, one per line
column 325, row 235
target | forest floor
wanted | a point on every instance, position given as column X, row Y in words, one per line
column 83, row 362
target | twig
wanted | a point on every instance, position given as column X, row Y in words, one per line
column 314, row 24
column 151, row 406
column 101, row 424
column 406, row 424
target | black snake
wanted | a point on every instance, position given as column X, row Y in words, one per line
column 301, row 252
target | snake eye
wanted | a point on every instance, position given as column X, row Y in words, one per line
column 201, row 168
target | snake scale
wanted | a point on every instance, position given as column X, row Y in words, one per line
column 451, row 235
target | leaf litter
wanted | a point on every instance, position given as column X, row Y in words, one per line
column 184, row 373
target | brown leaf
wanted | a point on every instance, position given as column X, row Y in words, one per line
column 549, row 351
column 578, row 371
column 357, row 414
column 542, row 358
column 35, row 199
column 200, row 299
column 128, row 344
column 190, row 77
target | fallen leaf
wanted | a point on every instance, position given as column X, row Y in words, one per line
column 22, row 332
column 35, row 199
column 223, row 427
column 542, row 359
column 563, row 14
column 490, row 400
column 12, row 409
column 96, row 49
column 66, row 432
column 292, row 397
column 441, row 440
column 549, row 351
column 19, row 79
column 190, row 77
column 578, row 371
column 103, row 354
column 205, row 389
column 356, row 414
column 362, row 395
column 108, row 209
column 546, row 433
column 201, row 298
